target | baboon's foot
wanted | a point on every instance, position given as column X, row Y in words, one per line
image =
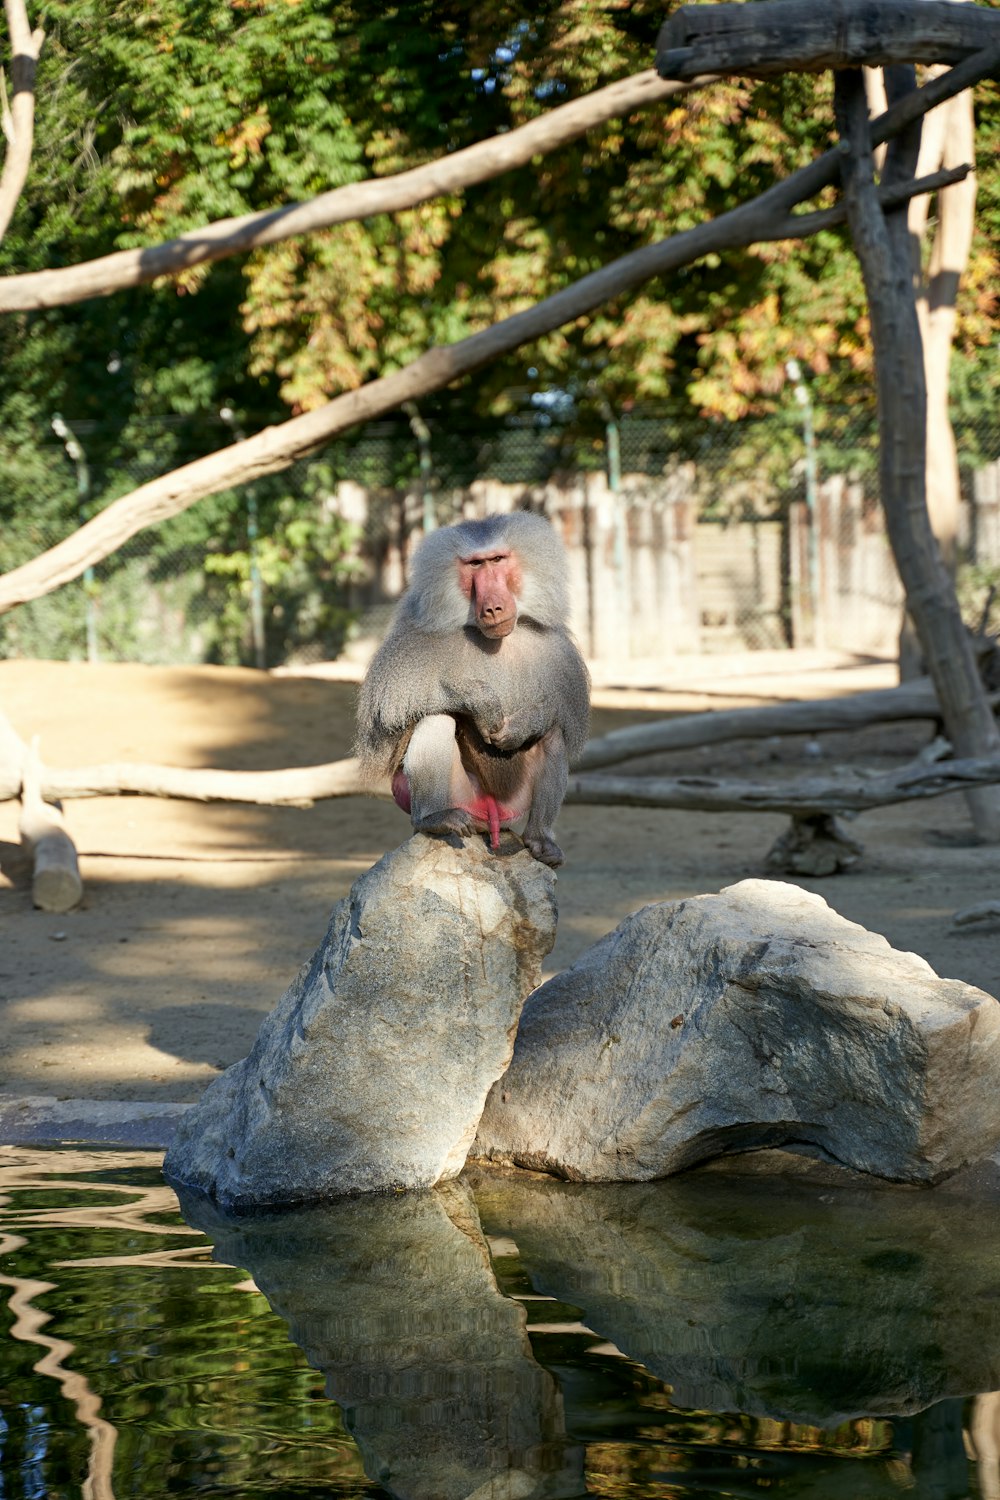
column 544, row 848
column 448, row 820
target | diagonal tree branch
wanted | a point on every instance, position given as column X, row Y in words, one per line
column 19, row 112
column 767, row 217
column 358, row 200
column 478, row 163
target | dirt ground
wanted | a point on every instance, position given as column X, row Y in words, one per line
column 196, row 917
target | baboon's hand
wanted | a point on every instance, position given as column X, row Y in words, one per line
column 514, row 731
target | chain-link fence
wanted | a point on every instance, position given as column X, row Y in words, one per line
column 683, row 536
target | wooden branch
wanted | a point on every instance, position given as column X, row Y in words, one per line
column 914, row 700
column 852, row 792
column 780, row 36
column 276, row 448
column 55, row 884
column 301, row 786
column 890, row 195
column 298, row 786
column 462, row 169
column 358, row 200
column 19, row 113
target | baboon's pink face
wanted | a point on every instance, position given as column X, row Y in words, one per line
column 492, row 580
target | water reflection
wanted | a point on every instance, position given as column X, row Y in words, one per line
column 503, row 1337
column 795, row 1305
column 800, row 1304
column 809, row 1309
column 394, row 1299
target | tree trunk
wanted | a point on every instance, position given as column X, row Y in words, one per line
column 883, row 246
column 19, row 113
column 948, row 137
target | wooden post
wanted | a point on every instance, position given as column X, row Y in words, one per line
column 55, row 884
column 882, row 243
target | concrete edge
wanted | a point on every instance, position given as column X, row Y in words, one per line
column 45, row 1120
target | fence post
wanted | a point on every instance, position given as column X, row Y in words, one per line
column 74, row 451
column 422, row 433
column 228, row 417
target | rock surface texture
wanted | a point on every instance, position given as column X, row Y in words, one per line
column 372, row 1070
column 755, row 1017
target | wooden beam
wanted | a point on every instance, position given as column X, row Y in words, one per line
column 60, row 285
column 851, row 792
column 914, row 700
column 780, row 36
column 295, row 786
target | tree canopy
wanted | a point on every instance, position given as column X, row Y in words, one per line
column 153, row 119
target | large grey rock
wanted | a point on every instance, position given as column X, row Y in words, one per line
column 756, row 1017
column 371, row 1072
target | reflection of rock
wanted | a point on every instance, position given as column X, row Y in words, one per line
column 754, row 1017
column 758, row 1296
column 372, row 1071
column 395, row 1300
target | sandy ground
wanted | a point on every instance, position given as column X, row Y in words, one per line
column 196, row 917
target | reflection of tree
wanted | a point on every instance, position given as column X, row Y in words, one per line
column 27, row 1325
column 984, row 1441
column 191, row 1381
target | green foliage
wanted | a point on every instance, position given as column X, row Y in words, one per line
column 303, row 559
column 978, row 588
column 155, row 118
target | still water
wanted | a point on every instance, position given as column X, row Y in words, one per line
column 497, row 1339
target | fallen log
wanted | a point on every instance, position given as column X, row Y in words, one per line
column 913, row 700
column 55, row 882
column 296, row 786
column 850, row 792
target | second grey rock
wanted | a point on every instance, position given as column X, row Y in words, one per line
column 755, row 1017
